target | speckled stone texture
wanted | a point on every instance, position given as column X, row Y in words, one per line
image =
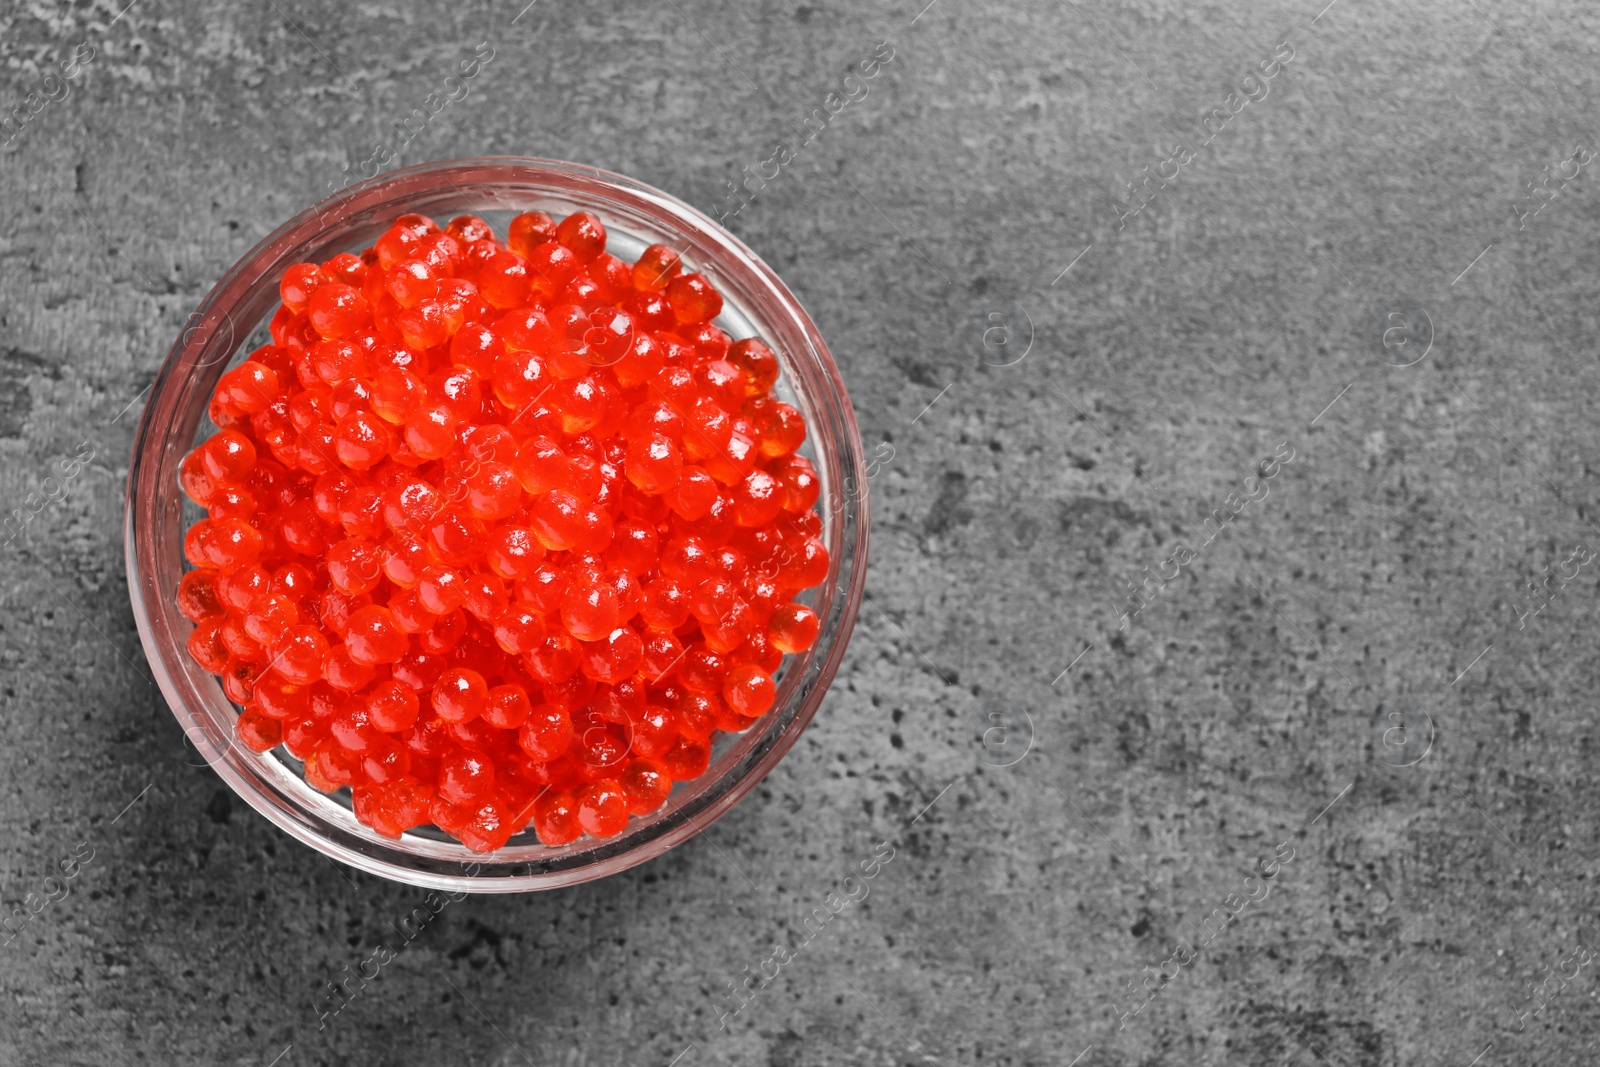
column 1347, row 669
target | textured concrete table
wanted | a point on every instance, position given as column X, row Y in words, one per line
column 1229, row 375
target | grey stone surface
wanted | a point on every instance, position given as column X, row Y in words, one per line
column 1383, row 573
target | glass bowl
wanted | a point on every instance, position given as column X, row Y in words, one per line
column 232, row 321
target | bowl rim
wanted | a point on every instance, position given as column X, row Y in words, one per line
column 715, row 243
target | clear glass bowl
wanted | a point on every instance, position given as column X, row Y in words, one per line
column 232, row 321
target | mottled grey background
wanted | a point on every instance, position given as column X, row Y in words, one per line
column 1385, row 570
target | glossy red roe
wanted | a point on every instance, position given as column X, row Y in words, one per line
column 793, row 628
column 555, row 819
column 460, row 695
column 500, row 535
column 603, row 808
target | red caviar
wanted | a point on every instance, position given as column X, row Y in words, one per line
column 500, row 535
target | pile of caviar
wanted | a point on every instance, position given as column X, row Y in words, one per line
column 500, row 534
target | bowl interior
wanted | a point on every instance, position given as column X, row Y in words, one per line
column 231, row 322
